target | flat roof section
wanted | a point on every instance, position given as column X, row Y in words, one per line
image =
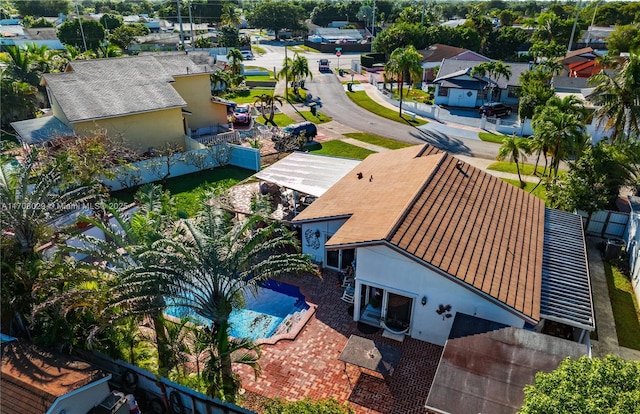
column 308, row 173
column 40, row 130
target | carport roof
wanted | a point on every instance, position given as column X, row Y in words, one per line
column 40, row 130
column 308, row 173
column 566, row 290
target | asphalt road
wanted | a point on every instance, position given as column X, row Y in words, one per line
column 329, row 95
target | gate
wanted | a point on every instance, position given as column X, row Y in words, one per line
column 606, row 224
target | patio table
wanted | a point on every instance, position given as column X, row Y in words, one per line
column 371, row 355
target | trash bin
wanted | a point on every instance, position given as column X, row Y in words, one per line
column 340, row 72
column 350, row 86
column 313, row 109
column 613, row 249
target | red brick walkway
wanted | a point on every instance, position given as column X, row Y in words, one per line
column 309, row 366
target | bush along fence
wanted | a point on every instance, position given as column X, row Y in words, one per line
column 175, row 164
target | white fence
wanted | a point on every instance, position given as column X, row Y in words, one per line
column 196, row 158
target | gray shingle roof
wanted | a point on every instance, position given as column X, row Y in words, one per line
column 106, row 88
column 450, row 66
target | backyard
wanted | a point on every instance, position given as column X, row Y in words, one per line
column 625, row 307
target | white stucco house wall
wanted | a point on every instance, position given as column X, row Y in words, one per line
column 434, row 240
column 633, row 244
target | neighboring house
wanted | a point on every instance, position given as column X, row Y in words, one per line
column 149, row 101
column 583, row 69
column 432, row 58
column 580, row 55
column 36, row 381
column 487, row 373
column 456, row 87
column 633, row 244
column 431, row 237
column 596, row 36
column 43, row 36
column 335, row 35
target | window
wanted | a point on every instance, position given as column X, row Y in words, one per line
column 513, row 91
column 482, row 94
column 443, row 91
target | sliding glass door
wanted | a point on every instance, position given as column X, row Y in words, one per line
column 380, row 307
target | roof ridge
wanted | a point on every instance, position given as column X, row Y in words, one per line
column 405, row 210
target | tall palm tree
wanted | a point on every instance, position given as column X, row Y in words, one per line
column 562, row 133
column 265, row 100
column 617, row 96
column 235, row 60
column 286, row 73
column 405, row 63
column 212, row 263
column 220, row 78
column 230, row 15
column 494, row 70
column 516, row 150
column 300, row 69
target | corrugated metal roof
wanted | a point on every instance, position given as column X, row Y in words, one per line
column 566, row 290
column 308, row 173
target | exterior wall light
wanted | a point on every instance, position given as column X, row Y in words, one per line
column 424, row 300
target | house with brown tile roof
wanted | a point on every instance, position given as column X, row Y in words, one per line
column 432, row 58
column 430, row 236
column 37, row 381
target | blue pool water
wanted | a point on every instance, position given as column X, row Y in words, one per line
column 274, row 304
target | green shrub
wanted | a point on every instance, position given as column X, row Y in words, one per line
column 307, row 406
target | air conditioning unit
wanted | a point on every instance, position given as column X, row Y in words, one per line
column 115, row 403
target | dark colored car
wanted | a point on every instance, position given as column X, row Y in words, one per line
column 242, row 115
column 306, row 129
column 496, row 109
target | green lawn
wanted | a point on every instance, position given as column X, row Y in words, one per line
column 189, row 190
column 539, row 192
column 489, row 137
column 320, row 119
column 625, row 308
column 361, row 99
column 525, row 169
column 412, row 95
column 280, row 120
column 258, row 49
column 338, row 148
column 248, row 95
column 377, row 140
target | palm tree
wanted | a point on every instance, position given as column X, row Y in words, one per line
column 266, row 100
column 300, row 70
column 213, row 263
column 618, row 98
column 286, row 73
column 235, row 60
column 220, row 78
column 129, row 274
column 19, row 100
column 230, row 15
column 562, row 133
column 516, row 150
column 28, row 203
column 403, row 62
column 494, row 70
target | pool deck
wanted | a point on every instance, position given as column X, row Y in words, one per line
column 308, row 366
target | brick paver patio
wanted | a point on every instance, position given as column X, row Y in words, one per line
column 309, row 367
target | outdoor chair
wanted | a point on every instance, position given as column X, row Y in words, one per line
column 348, row 293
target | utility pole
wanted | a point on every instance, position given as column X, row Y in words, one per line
column 180, row 23
column 286, row 75
column 84, row 41
column 193, row 35
column 575, row 23
column 373, row 25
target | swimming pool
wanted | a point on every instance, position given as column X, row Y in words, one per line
column 275, row 308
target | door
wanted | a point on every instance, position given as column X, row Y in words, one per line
column 398, row 312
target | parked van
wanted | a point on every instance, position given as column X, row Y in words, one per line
column 306, row 129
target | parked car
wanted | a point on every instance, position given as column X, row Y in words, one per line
column 247, row 54
column 242, row 115
column 496, row 109
column 306, row 129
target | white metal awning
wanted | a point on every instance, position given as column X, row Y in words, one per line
column 308, row 173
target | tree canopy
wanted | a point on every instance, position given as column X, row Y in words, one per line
column 588, row 385
column 42, row 8
column 70, row 34
column 276, row 16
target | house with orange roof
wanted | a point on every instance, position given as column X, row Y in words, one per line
column 442, row 249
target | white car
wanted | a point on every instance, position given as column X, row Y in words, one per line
column 247, row 54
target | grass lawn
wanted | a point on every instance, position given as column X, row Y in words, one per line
column 361, row 99
column 377, row 140
column 625, row 307
column 539, row 192
column 189, row 190
column 525, row 169
column 338, row 148
column 280, row 120
column 248, row 95
column 489, row 137
column 258, row 49
column 412, row 95
column 320, row 119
